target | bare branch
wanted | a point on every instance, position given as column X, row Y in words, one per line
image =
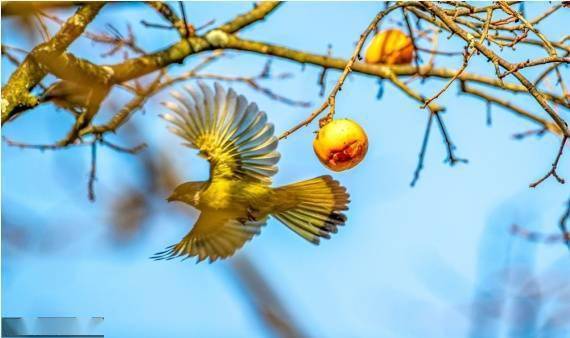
column 533, row 132
column 260, row 12
column 423, row 150
column 528, row 25
column 375, row 70
column 451, row 158
column 92, row 173
column 412, row 39
column 537, row 237
column 528, row 63
column 467, row 55
column 550, row 126
column 498, row 61
column 164, row 9
column 552, row 171
column 127, row 150
column 253, row 83
column 126, row 112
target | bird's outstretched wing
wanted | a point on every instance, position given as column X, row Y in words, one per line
column 214, row 236
column 230, row 132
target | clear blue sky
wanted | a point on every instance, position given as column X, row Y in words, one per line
column 410, row 261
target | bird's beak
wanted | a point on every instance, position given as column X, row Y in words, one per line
column 170, row 198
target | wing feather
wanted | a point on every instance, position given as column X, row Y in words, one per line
column 232, row 133
column 214, row 236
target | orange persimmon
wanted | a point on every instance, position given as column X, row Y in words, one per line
column 341, row 144
column 390, row 47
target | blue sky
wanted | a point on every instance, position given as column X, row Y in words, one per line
column 409, row 262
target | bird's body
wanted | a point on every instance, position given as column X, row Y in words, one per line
column 237, row 199
column 231, row 196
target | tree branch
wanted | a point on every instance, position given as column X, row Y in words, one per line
column 232, row 42
column 163, row 8
column 550, row 126
column 499, row 61
column 137, row 67
column 552, row 171
column 260, row 12
column 16, row 92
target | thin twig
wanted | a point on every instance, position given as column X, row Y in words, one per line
column 528, row 63
column 186, row 26
column 451, row 158
column 537, row 237
column 545, row 73
column 124, row 114
column 10, row 56
column 164, row 9
column 467, row 55
column 412, row 39
column 488, row 110
column 322, row 77
column 423, row 150
column 562, row 83
column 92, row 173
column 41, row 147
column 44, row 31
column 115, row 39
column 550, row 126
column 548, row 46
column 533, row 132
column 156, row 25
column 552, row 171
column 438, row 52
column 127, row 150
column 253, row 83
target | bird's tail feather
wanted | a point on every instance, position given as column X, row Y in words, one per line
column 316, row 208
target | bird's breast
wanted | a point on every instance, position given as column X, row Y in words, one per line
column 218, row 196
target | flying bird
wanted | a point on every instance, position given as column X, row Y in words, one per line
column 236, row 201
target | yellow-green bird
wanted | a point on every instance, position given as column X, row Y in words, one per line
column 234, row 136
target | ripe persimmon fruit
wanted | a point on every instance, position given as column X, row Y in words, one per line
column 390, row 47
column 341, row 144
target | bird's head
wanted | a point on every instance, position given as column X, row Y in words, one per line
column 187, row 192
